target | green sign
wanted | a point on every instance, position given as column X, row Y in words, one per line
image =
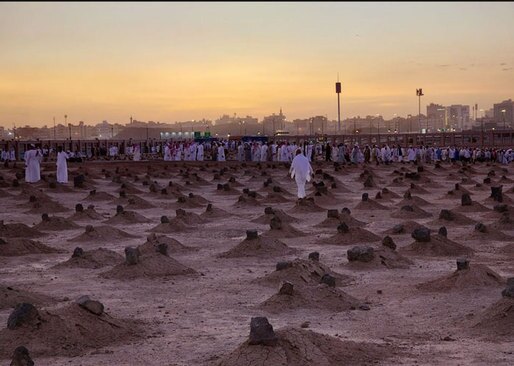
column 207, row 134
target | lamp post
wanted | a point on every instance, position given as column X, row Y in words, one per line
column 419, row 93
column 338, row 91
column 69, row 127
column 54, row 129
column 503, row 113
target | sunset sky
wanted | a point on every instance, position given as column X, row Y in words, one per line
column 180, row 61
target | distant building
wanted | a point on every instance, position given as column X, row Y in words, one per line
column 503, row 113
column 273, row 123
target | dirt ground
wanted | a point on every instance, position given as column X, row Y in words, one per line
column 195, row 307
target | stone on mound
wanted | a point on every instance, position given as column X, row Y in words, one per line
column 257, row 246
column 92, row 259
column 349, row 235
column 437, row 246
column 300, row 347
column 43, row 331
column 55, row 223
column 100, row 233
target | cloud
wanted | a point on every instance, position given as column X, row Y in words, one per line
column 503, row 64
column 507, row 69
column 443, row 65
column 462, row 68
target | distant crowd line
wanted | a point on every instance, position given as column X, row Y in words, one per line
column 282, row 151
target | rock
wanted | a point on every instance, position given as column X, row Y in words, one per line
column 487, row 180
column 90, row 229
column 407, row 195
column 119, row 209
column 407, row 208
column 343, row 228
column 45, row 217
column 78, row 181
column 462, row 264
column 79, row 207
column 275, row 223
column 496, row 193
column 509, row 290
column 365, row 197
column 443, row 231
column 77, row 252
column 389, row 242
column 364, row 307
column 268, row 211
column 361, row 253
column 446, row 215
column 378, row 196
column 131, row 255
column 332, row 214
column 286, row 288
column 283, row 265
column 165, row 220
column 209, row 207
column 398, row 229
column 346, row 210
column 369, row 182
column 328, row 280
column 480, row 227
column 466, row 200
column 261, row 332
column 93, row 306
column 162, row 248
column 305, row 324
column 251, row 234
column 23, row 314
column 421, row 234
column 314, row 256
column 501, row 208
column 21, row 357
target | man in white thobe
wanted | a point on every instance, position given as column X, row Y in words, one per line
column 301, row 171
column 33, row 158
column 62, row 165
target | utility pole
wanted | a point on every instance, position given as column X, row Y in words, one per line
column 338, row 91
column 54, row 129
column 419, row 93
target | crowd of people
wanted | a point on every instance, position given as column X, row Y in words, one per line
column 264, row 151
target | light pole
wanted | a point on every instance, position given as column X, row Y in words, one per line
column 54, row 129
column 338, row 91
column 419, row 93
column 503, row 113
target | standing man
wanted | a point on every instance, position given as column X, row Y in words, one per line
column 62, row 165
column 33, row 158
column 301, row 171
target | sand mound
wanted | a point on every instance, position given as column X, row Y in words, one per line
column 503, row 223
column 272, row 212
column 410, row 212
column 245, row 201
column 488, row 235
column 150, row 265
column 370, row 205
column 45, row 206
column 284, row 231
column 319, row 296
column 353, row 236
column 189, row 218
column 415, row 188
column 88, row 214
column 129, row 188
column 13, row 247
column 54, row 223
column 99, row 196
column 99, row 233
column 414, row 200
column 92, row 259
column 382, row 257
column 69, row 331
column 450, row 217
column 259, row 247
column 136, row 203
column 10, row 297
column 497, row 320
column 302, row 272
column 438, row 246
column 29, row 191
column 18, row 231
column 477, row 275
column 174, row 246
column 507, row 249
column 405, row 227
column 474, row 207
column 212, row 212
column 126, row 218
column 274, row 197
column 306, row 205
column 299, row 347
column 174, row 225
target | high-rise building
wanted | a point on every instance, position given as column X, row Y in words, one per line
column 503, row 114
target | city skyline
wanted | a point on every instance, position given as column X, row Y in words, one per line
column 188, row 61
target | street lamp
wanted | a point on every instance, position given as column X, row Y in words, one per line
column 419, row 93
column 503, row 112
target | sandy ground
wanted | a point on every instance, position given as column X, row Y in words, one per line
column 200, row 317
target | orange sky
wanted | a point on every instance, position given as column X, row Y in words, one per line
column 179, row 61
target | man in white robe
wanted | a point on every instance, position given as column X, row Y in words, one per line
column 264, row 152
column 221, row 153
column 33, row 158
column 62, row 165
column 199, row 152
column 301, row 171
